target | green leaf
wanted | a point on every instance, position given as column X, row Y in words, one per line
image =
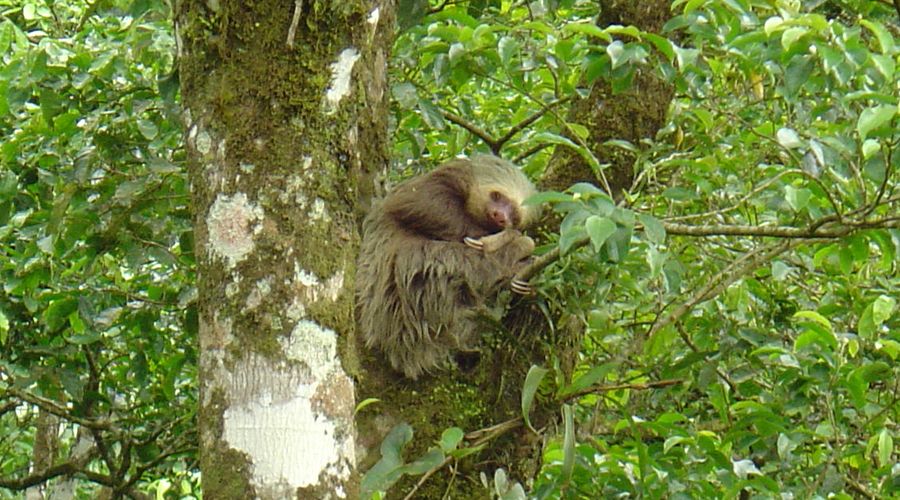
column 817, row 331
column 686, row 58
column 451, row 438
column 798, row 199
column 874, row 118
column 532, row 382
column 653, row 228
column 885, row 447
column 45, row 244
column 815, row 336
column 57, row 314
column 870, row 147
column 679, row 194
column 432, row 459
column 587, row 190
column 889, row 347
column 127, row 190
column 812, row 316
column 857, row 388
column 587, row 379
column 4, row 328
column 674, row 441
column 568, row 444
column 364, row 403
column 599, row 229
column 883, row 308
column 551, row 138
column 780, row 270
column 797, row 73
column 51, row 104
column 616, row 53
column 431, row 115
column 885, row 65
column 568, row 239
column 885, row 39
column 507, row 47
column 789, row 138
column 587, row 28
column 662, row 44
column 785, row 446
column 791, row 35
column 389, row 468
column 618, row 29
column 773, row 24
column 148, row 129
column 866, row 326
column 579, row 130
column 545, row 197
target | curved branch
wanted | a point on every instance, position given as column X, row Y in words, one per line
column 473, row 129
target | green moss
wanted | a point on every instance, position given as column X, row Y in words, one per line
column 225, row 470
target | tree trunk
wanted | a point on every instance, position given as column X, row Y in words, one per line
column 632, row 115
column 285, row 110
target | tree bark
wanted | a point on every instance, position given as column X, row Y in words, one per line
column 632, row 115
column 285, row 111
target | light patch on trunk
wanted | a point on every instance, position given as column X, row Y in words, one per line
column 341, row 70
column 373, row 17
column 294, row 419
column 260, row 291
column 312, row 289
column 232, row 222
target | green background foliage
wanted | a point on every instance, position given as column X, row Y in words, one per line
column 95, row 240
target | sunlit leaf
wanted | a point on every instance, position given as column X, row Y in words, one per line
column 599, row 229
column 874, row 118
column 529, row 389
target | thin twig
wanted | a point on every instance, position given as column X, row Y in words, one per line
column 295, row 21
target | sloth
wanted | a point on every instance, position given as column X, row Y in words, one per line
column 433, row 252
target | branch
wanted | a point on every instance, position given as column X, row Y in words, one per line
column 480, row 437
column 618, row 387
column 295, row 21
column 823, row 228
column 815, row 231
column 725, row 278
column 518, row 127
column 473, row 129
column 63, row 469
column 758, row 189
column 62, row 412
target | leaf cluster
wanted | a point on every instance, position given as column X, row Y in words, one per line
column 97, row 323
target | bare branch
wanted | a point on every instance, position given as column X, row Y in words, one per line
column 62, row 412
column 518, row 127
column 473, row 129
column 596, row 389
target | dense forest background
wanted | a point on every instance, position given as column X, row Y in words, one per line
column 727, row 298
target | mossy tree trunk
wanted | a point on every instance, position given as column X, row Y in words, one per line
column 632, row 115
column 285, row 110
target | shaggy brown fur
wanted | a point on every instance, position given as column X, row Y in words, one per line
column 418, row 284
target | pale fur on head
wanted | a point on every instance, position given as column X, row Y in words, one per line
column 506, row 178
